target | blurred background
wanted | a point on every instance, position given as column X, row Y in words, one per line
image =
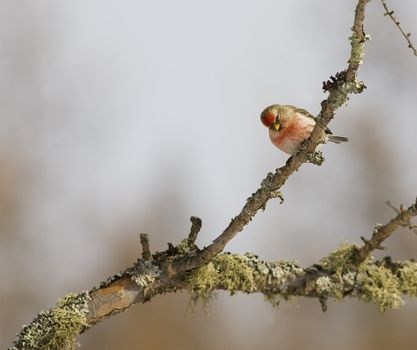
column 124, row 117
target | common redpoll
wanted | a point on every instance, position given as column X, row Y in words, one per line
column 289, row 126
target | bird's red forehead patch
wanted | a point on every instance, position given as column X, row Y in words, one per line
column 267, row 119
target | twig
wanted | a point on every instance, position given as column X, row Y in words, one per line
column 398, row 211
column 392, row 207
column 390, row 14
column 382, row 232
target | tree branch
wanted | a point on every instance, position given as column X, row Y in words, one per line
column 390, row 14
column 342, row 85
column 382, row 232
column 187, row 267
column 348, row 271
column 379, row 282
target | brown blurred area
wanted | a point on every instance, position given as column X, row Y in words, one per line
column 112, row 125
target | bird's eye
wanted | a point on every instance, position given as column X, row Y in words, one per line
column 267, row 119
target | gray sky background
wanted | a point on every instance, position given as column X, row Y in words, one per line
column 124, row 117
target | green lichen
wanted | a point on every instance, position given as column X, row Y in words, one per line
column 56, row 328
column 276, row 275
column 340, row 260
column 184, row 247
column 323, row 284
column 326, row 287
column 226, row 271
column 342, row 271
column 385, row 286
column 315, row 158
column 408, row 278
column 378, row 285
column 357, row 53
column 374, row 283
column 202, row 282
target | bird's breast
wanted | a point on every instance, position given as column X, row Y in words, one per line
column 290, row 137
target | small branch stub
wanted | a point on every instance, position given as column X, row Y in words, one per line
column 195, row 229
column 144, row 241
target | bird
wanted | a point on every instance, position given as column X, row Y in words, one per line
column 289, row 126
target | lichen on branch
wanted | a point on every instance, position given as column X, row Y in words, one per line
column 348, row 271
column 57, row 328
column 383, row 283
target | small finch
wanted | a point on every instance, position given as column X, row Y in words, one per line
column 289, row 126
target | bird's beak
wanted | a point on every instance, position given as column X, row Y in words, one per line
column 276, row 126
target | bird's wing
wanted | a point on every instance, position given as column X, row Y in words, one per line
column 304, row 112
column 307, row 114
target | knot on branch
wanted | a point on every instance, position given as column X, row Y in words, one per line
column 335, row 81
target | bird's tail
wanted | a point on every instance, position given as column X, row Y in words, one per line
column 337, row 139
